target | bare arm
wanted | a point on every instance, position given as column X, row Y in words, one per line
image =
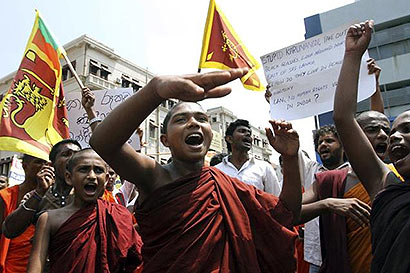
column 376, row 100
column 350, row 207
column 286, row 142
column 39, row 250
column 20, row 219
column 357, row 147
column 109, row 138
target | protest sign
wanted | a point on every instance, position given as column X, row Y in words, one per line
column 303, row 77
column 16, row 173
column 105, row 101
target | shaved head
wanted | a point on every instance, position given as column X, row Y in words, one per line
column 367, row 116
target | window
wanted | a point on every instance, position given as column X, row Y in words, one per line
column 152, row 129
column 94, row 67
column 164, row 104
column 65, row 71
column 214, row 119
column 125, row 81
column 171, row 104
column 136, row 85
column 104, row 72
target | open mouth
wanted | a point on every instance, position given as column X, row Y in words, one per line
column 90, row 188
column 324, row 153
column 381, row 148
column 398, row 152
column 194, row 139
column 247, row 140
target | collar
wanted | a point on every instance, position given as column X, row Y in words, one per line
column 344, row 165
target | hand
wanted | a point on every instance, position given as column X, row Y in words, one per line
column 45, row 178
column 351, row 207
column 286, row 140
column 196, row 87
column 268, row 94
column 358, row 38
column 87, row 99
column 373, row 68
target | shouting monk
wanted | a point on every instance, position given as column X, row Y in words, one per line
column 194, row 218
column 90, row 234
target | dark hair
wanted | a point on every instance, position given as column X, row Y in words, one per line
column 164, row 128
column 72, row 162
column 322, row 131
column 27, row 158
column 57, row 147
column 231, row 128
column 216, row 159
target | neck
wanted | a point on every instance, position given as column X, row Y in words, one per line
column 61, row 187
column 79, row 203
column 333, row 166
column 182, row 168
column 238, row 158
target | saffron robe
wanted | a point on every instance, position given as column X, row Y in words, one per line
column 210, row 222
column 359, row 242
column 107, row 196
column 346, row 246
column 14, row 253
column 390, row 225
column 98, row 238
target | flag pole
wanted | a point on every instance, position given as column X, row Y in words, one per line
column 73, row 72
column 199, row 70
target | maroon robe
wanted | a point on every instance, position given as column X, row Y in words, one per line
column 98, row 238
column 210, row 222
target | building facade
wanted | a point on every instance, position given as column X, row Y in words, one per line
column 390, row 46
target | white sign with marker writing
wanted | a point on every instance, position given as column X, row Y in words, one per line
column 105, row 101
column 303, row 77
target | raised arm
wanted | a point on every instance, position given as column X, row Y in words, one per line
column 88, row 100
column 110, row 137
column 41, row 241
column 20, row 219
column 286, row 142
column 365, row 162
column 376, row 100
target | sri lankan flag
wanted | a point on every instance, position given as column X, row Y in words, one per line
column 222, row 49
column 33, row 116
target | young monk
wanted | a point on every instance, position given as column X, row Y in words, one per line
column 194, row 218
column 90, row 234
column 390, row 216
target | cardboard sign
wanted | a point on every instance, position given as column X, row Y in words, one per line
column 105, row 101
column 303, row 77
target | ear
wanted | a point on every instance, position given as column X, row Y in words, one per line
column 229, row 139
column 164, row 140
column 68, row 178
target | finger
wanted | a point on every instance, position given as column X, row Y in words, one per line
column 217, row 78
column 356, row 218
column 363, row 219
column 270, row 135
column 218, row 92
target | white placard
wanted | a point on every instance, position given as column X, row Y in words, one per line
column 105, row 101
column 16, row 173
column 303, row 76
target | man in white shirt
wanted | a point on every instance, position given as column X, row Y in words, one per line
column 238, row 164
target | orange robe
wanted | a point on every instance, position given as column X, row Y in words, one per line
column 210, row 222
column 14, row 253
column 358, row 238
column 107, row 196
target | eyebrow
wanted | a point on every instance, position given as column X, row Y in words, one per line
column 189, row 113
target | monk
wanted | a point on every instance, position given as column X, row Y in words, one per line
column 390, row 215
column 90, row 234
column 14, row 253
column 194, row 218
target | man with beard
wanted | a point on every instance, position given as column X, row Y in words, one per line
column 331, row 153
column 238, row 164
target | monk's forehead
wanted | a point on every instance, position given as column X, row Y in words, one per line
column 88, row 156
column 370, row 117
column 187, row 107
column 403, row 117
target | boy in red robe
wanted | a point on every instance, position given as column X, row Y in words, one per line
column 90, row 234
column 194, row 218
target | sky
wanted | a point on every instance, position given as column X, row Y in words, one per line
column 166, row 36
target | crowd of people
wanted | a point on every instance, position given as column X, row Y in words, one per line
column 349, row 213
